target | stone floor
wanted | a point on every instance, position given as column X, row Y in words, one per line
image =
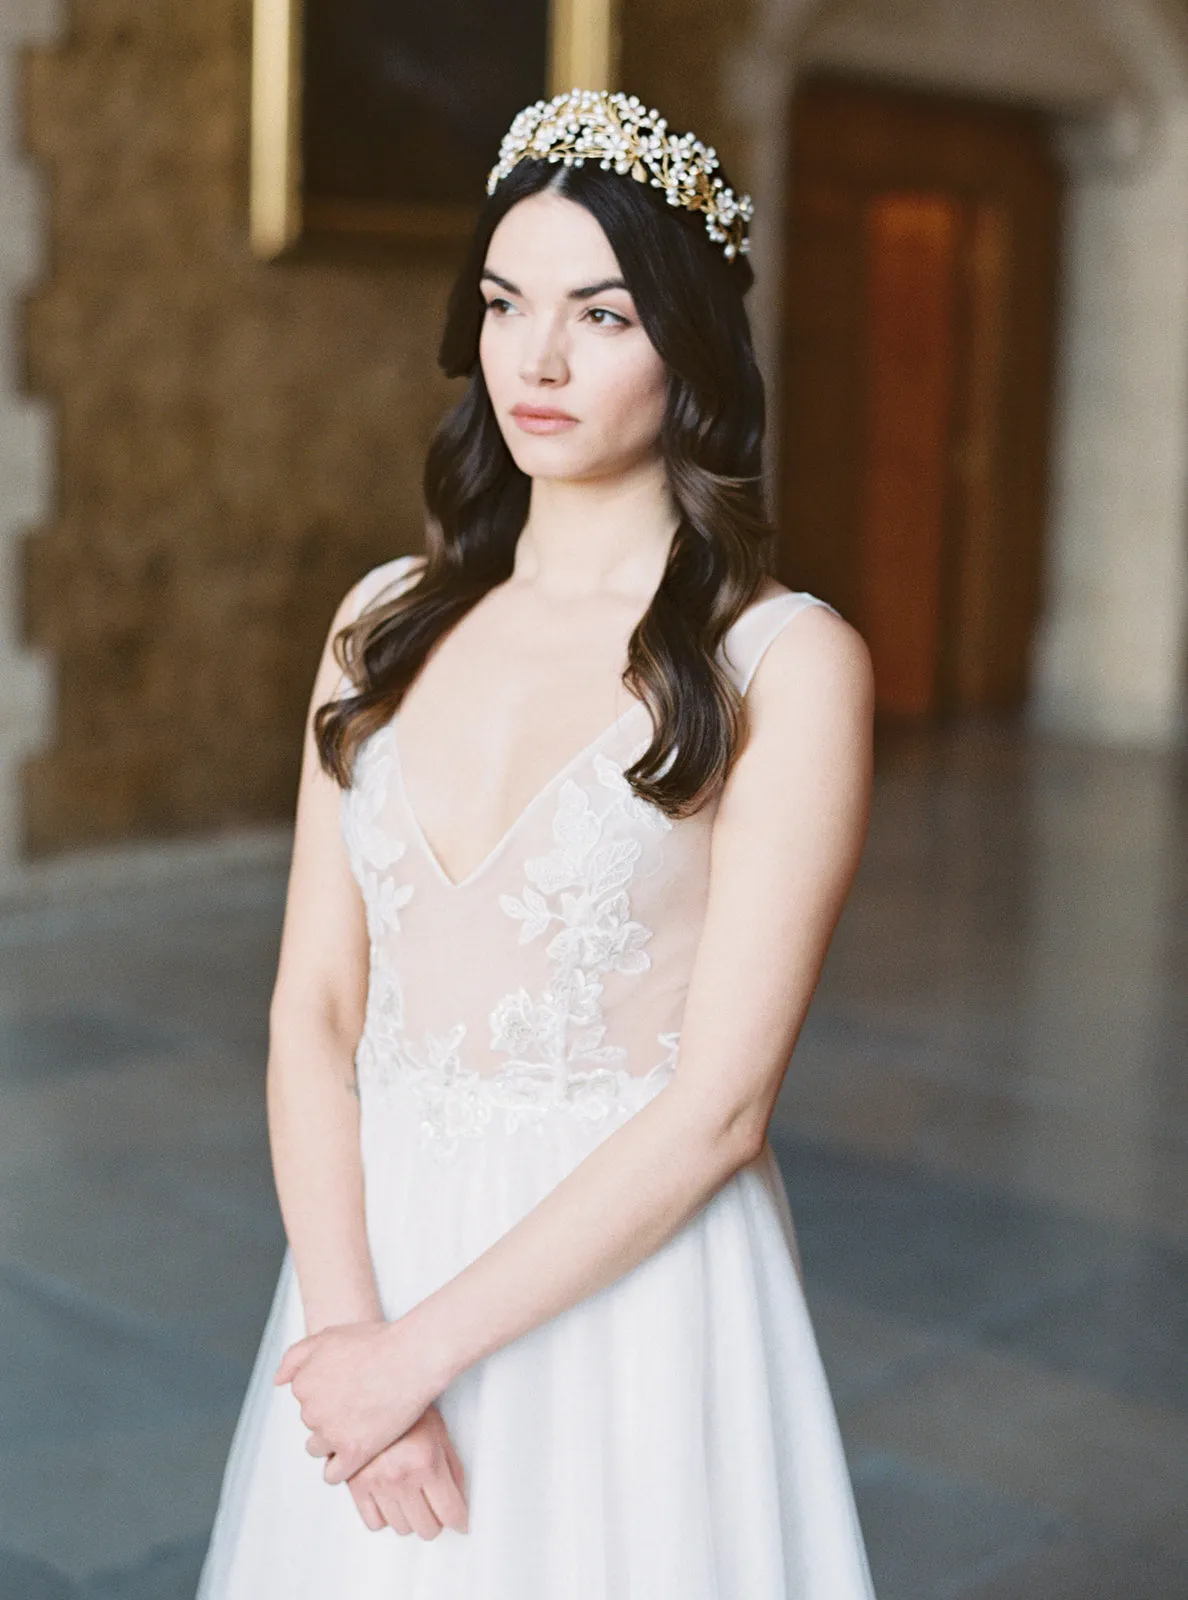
column 984, row 1135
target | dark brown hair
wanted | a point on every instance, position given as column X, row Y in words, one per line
column 689, row 298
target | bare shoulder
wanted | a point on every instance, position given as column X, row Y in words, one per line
column 817, row 664
column 801, row 782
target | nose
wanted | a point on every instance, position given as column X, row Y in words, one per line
column 542, row 355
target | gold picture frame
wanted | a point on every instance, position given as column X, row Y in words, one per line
column 580, row 48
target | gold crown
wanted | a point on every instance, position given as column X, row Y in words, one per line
column 616, row 131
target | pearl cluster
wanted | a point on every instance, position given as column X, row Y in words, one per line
column 616, row 131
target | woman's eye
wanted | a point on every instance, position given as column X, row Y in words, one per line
column 603, row 311
column 603, row 316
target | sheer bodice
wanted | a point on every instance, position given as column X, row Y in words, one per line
column 552, row 978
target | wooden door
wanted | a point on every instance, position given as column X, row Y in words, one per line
column 918, row 349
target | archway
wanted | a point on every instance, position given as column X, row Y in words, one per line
column 1109, row 660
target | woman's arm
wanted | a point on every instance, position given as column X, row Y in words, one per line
column 315, row 1019
column 786, row 844
column 417, row 1483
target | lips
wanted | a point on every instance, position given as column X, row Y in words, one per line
column 542, row 419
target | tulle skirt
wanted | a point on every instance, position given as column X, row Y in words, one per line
column 671, row 1437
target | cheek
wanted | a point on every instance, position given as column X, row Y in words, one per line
column 494, row 359
column 632, row 394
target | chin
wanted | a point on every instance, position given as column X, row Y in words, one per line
column 551, row 462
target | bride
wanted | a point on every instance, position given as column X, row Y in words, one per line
column 584, row 792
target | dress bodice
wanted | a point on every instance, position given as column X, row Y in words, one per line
column 551, row 980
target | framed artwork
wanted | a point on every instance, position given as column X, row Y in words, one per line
column 382, row 118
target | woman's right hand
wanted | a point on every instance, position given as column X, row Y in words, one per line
column 417, row 1485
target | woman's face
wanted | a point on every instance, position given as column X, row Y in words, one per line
column 560, row 333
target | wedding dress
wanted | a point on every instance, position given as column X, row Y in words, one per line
column 671, row 1437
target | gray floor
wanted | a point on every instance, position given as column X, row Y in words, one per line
column 984, row 1136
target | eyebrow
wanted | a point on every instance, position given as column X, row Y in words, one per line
column 574, row 294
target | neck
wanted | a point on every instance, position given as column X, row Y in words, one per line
column 590, row 535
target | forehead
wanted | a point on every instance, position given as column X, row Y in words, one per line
column 548, row 240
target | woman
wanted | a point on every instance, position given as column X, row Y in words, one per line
column 563, row 882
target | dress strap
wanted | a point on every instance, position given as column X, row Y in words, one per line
column 389, row 575
column 747, row 641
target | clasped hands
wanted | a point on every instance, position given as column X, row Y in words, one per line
column 367, row 1400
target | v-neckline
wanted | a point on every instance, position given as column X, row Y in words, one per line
column 497, row 849
column 427, row 850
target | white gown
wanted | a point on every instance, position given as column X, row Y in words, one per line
column 671, row 1437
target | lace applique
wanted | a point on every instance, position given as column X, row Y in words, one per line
column 582, row 886
column 369, row 842
column 372, row 848
column 383, row 1029
column 611, row 777
column 558, row 1059
column 457, row 1102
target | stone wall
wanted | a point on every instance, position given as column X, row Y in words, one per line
column 237, row 441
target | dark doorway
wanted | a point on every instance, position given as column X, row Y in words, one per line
column 918, row 352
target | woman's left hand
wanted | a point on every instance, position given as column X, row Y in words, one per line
column 360, row 1386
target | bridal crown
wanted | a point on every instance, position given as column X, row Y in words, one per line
column 616, row 131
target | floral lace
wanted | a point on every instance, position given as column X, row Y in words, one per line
column 457, row 1102
column 558, row 1056
column 373, row 850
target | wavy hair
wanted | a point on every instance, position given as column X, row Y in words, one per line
column 689, row 299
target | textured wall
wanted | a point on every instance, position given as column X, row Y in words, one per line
column 237, row 442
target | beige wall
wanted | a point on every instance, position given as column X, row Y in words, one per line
column 237, row 442
column 1049, row 52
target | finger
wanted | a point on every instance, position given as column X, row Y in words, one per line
column 455, row 1461
column 291, row 1361
column 459, row 1472
column 420, row 1514
column 393, row 1514
column 344, row 1464
column 373, row 1517
column 445, row 1500
column 318, row 1445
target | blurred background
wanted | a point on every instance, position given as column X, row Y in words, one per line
column 971, row 241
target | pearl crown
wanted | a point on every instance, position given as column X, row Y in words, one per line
column 616, row 131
